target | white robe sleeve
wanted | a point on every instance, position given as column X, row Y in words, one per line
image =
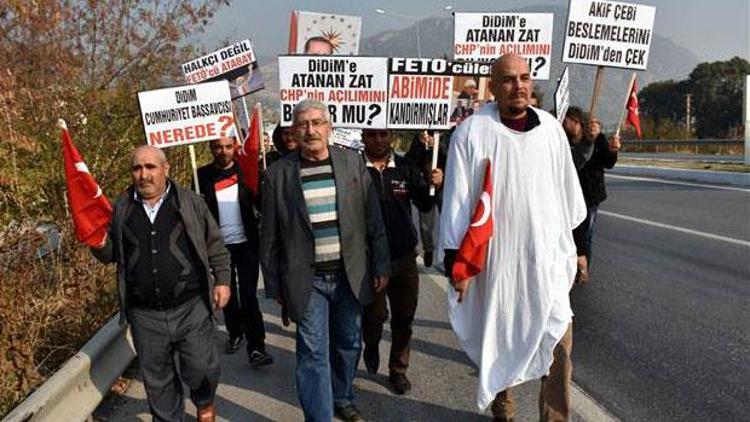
column 455, row 214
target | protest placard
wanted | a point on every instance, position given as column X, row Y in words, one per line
column 487, row 36
column 419, row 93
column 186, row 115
column 235, row 63
column 354, row 88
column 341, row 31
column 562, row 95
column 608, row 33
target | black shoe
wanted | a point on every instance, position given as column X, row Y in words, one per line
column 348, row 413
column 233, row 345
column 400, row 383
column 428, row 259
column 260, row 358
column 371, row 356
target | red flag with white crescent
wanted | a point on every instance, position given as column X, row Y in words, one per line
column 247, row 157
column 471, row 257
column 90, row 207
column 633, row 113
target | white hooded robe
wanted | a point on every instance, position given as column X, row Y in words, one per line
column 517, row 309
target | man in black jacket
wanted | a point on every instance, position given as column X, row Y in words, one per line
column 420, row 154
column 592, row 153
column 398, row 183
column 232, row 204
column 172, row 271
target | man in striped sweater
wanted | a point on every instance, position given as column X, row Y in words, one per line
column 324, row 254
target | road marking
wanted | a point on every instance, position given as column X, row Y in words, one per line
column 677, row 228
column 673, row 182
column 588, row 409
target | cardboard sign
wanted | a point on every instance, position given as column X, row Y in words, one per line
column 342, row 31
column 419, row 94
column 608, row 33
column 487, row 36
column 349, row 138
column 187, row 114
column 235, row 63
column 354, row 88
column 562, row 96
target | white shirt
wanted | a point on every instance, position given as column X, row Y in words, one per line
column 230, row 218
column 152, row 211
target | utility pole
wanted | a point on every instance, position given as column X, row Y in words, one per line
column 688, row 102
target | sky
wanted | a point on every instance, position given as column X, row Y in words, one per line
column 712, row 30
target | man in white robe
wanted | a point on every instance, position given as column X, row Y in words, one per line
column 514, row 318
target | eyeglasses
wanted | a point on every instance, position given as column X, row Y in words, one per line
column 314, row 123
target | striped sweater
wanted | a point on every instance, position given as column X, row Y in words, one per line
column 319, row 190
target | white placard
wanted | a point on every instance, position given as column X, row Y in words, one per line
column 608, row 33
column 562, row 95
column 235, row 63
column 187, row 114
column 419, row 94
column 354, row 88
column 487, row 36
column 342, row 31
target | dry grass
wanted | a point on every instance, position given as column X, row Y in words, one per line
column 49, row 307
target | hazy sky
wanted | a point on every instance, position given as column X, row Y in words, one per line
column 711, row 29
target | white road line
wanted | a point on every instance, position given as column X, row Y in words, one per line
column 677, row 228
column 674, row 182
column 588, row 409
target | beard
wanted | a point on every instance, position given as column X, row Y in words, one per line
column 517, row 109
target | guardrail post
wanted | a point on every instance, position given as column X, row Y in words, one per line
column 747, row 119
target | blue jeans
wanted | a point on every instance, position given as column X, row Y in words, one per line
column 590, row 220
column 329, row 343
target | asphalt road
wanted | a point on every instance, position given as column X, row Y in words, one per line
column 444, row 380
column 663, row 331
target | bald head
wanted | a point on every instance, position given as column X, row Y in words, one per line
column 149, row 171
column 149, row 150
column 511, row 85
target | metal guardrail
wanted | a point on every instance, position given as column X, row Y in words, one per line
column 685, row 142
column 77, row 388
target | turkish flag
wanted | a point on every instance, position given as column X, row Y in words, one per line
column 247, row 156
column 633, row 117
column 90, row 208
column 293, row 32
column 472, row 254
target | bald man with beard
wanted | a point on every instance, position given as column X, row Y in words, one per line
column 513, row 319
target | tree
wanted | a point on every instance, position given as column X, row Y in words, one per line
column 84, row 61
column 660, row 101
column 717, row 93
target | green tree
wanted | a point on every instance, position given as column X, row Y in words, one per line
column 662, row 102
column 717, row 89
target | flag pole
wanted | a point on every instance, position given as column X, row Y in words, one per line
column 262, row 143
column 435, row 143
column 625, row 106
column 193, row 163
column 597, row 87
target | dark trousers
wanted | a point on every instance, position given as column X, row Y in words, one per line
column 402, row 293
column 242, row 314
column 161, row 337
